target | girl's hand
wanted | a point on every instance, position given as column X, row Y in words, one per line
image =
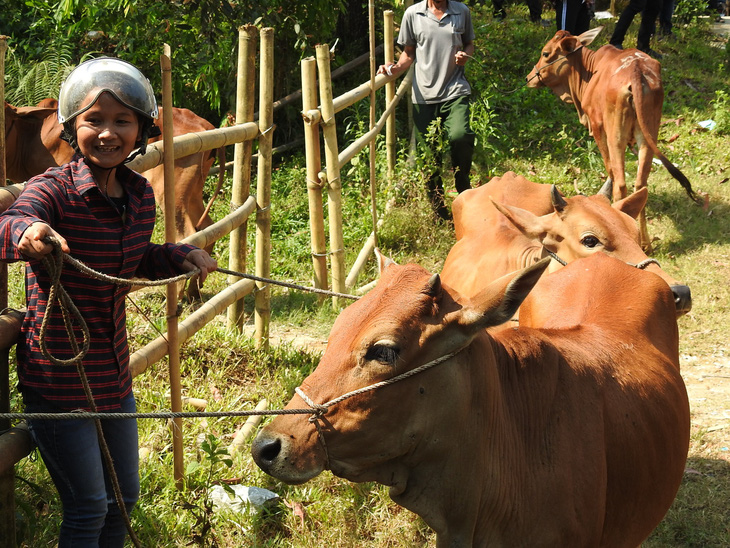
column 199, row 258
column 32, row 245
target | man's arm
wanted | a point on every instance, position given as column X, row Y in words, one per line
column 407, row 56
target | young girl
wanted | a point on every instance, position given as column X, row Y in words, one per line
column 103, row 214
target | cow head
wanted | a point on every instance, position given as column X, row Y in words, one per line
column 409, row 319
column 553, row 68
column 583, row 225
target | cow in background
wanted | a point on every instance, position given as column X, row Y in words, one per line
column 571, row 435
column 619, row 97
column 511, row 222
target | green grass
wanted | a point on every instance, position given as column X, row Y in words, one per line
column 529, row 132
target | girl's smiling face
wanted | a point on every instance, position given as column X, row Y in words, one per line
column 107, row 132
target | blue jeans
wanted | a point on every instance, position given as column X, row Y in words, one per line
column 71, row 452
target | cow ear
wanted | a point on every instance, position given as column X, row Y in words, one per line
column 499, row 301
column 634, row 203
column 525, row 221
column 569, row 44
column 383, row 261
column 588, row 36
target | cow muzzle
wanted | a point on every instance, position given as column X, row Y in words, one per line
column 682, row 298
column 276, row 455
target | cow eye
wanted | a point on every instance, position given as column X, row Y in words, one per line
column 590, row 241
column 382, row 353
column 545, row 54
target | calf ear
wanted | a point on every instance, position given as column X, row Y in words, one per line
column 499, row 301
column 588, row 36
column 526, row 222
column 633, row 203
column 383, row 261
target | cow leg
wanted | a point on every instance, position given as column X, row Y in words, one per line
column 642, row 176
column 600, row 138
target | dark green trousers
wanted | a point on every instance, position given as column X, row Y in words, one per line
column 453, row 120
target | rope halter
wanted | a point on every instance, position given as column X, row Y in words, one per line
column 319, row 410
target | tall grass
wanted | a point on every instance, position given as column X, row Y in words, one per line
column 527, row 131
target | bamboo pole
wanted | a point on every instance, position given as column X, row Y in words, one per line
column 247, row 429
column 226, row 225
column 245, row 86
column 314, row 165
column 156, row 350
column 15, row 444
column 262, row 310
column 10, row 322
column 389, row 56
column 334, row 184
column 359, row 93
column 357, row 145
column 373, row 182
column 357, row 266
column 191, row 143
column 7, row 477
column 172, row 289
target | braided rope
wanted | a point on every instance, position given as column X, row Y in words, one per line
column 317, row 410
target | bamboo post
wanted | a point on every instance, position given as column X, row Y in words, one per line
column 373, row 183
column 314, row 165
column 7, row 477
column 334, row 184
column 172, row 289
column 247, row 429
column 262, row 312
column 389, row 56
column 245, row 85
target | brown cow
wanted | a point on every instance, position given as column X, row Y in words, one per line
column 575, row 435
column 619, row 97
column 33, row 144
column 511, row 222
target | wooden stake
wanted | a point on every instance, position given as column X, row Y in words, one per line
column 314, row 165
column 172, row 289
column 334, row 185
column 247, row 429
column 262, row 311
column 389, row 57
column 245, row 86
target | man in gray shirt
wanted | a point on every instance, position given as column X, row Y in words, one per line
column 439, row 37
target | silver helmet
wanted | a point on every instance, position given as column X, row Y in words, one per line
column 124, row 81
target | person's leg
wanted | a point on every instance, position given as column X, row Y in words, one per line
column 665, row 17
column 648, row 24
column 561, row 13
column 70, row 450
column 122, row 440
column 624, row 22
column 582, row 21
column 535, row 7
column 455, row 114
column 499, row 10
column 423, row 117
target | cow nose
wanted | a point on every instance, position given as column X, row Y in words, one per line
column 682, row 298
column 265, row 451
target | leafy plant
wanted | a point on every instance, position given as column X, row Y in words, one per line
column 722, row 111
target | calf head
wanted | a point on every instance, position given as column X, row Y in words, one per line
column 583, row 225
column 553, row 67
column 410, row 319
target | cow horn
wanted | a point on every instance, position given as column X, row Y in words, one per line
column 607, row 189
column 559, row 202
column 433, row 287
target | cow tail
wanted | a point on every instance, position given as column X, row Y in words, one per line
column 636, row 86
column 221, row 152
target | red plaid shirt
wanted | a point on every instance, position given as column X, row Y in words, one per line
column 68, row 199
